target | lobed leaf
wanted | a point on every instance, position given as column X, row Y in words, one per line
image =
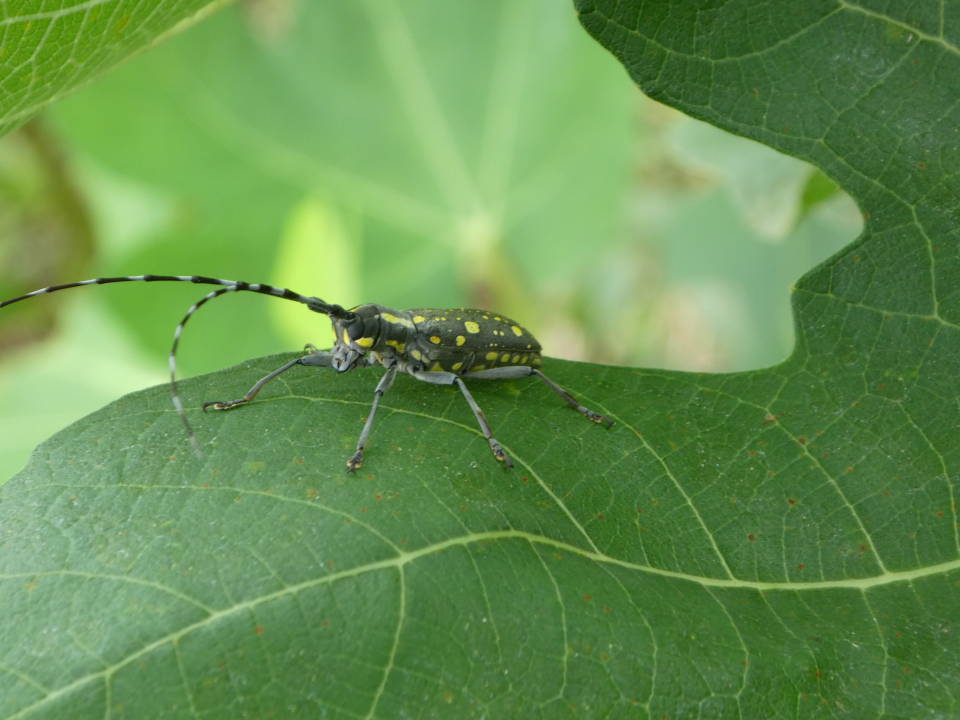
column 777, row 543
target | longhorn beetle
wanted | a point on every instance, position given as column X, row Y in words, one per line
column 442, row 347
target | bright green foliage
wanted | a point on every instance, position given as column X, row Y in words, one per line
column 254, row 155
column 49, row 47
column 778, row 543
column 446, row 160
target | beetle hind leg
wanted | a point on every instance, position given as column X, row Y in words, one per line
column 571, row 401
column 511, row 372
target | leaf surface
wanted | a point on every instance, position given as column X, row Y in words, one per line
column 53, row 46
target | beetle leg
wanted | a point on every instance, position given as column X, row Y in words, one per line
column 495, row 446
column 314, row 358
column 356, row 460
column 448, row 378
column 511, row 372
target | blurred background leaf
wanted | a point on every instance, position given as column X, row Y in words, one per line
column 409, row 154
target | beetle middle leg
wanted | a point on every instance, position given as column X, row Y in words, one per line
column 447, row 378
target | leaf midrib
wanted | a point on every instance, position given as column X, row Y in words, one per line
column 403, row 558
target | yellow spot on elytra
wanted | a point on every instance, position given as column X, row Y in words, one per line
column 516, row 359
column 418, row 318
column 505, row 357
column 498, row 318
column 396, row 345
column 460, row 340
column 456, row 366
column 517, row 330
column 481, row 366
column 471, row 326
column 365, row 342
column 536, row 361
column 391, row 318
column 435, row 339
column 436, row 367
column 491, row 356
column 485, row 317
column 416, row 355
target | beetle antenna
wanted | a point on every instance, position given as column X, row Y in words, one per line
column 172, row 361
column 314, row 303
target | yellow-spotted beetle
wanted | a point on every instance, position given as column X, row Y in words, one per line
column 443, row 347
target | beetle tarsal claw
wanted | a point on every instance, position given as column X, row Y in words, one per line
column 223, row 404
column 355, row 461
column 500, row 454
column 600, row 419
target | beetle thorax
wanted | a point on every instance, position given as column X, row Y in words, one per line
column 373, row 332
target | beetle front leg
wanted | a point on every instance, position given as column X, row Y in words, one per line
column 356, row 460
column 315, row 358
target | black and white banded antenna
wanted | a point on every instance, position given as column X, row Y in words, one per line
column 172, row 363
column 313, row 303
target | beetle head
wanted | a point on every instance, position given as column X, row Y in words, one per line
column 356, row 333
